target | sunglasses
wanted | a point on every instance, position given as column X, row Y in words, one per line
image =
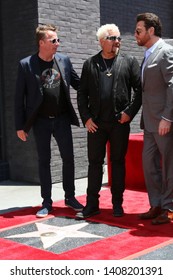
column 138, row 32
column 113, row 38
column 54, row 41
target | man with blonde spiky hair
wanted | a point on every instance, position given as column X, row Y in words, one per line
column 106, row 107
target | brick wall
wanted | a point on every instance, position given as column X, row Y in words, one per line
column 78, row 21
column 123, row 14
column 18, row 21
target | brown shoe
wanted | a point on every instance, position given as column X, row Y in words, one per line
column 151, row 214
column 165, row 217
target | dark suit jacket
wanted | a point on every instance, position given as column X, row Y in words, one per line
column 29, row 90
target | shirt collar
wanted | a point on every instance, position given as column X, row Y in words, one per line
column 152, row 48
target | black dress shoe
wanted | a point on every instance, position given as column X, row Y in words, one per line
column 87, row 212
column 118, row 211
column 151, row 214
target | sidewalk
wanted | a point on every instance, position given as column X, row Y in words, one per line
column 15, row 195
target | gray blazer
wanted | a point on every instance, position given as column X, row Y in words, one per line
column 157, row 96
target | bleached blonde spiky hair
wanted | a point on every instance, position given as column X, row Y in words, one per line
column 103, row 31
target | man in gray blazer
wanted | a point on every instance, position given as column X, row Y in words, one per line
column 157, row 118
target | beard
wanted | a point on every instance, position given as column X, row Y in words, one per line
column 140, row 43
column 115, row 48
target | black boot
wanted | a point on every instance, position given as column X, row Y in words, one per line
column 91, row 209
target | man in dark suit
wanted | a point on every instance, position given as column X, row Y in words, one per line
column 43, row 102
column 157, row 118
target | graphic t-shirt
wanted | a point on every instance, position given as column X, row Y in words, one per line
column 54, row 100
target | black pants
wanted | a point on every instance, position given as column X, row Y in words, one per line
column 60, row 128
column 118, row 135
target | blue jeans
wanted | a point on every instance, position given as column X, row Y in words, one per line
column 60, row 128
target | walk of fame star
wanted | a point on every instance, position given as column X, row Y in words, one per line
column 59, row 234
column 52, row 234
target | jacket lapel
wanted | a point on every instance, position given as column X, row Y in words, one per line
column 151, row 58
column 59, row 62
column 36, row 70
column 116, row 68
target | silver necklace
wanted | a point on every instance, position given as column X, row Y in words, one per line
column 109, row 71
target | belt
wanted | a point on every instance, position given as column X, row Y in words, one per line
column 47, row 117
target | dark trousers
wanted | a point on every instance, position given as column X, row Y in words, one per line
column 60, row 128
column 118, row 135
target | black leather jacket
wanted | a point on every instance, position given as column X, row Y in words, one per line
column 126, row 77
